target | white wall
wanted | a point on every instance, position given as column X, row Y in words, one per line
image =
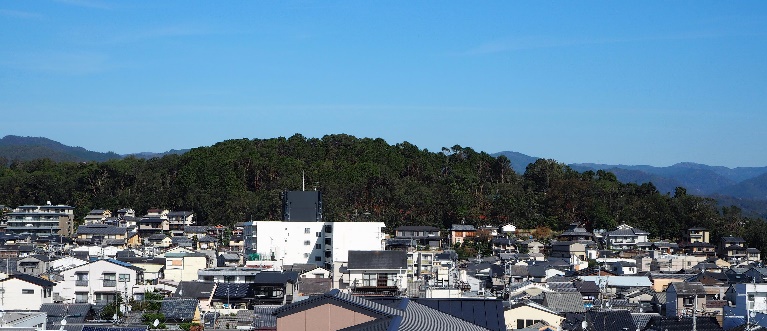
column 12, row 296
column 67, row 288
column 288, row 240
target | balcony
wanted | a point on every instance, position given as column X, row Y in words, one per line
column 110, row 283
column 81, row 282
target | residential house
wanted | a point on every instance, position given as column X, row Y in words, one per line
column 376, row 272
column 753, row 255
column 98, row 282
column 96, row 234
column 179, row 220
column 34, row 265
column 25, row 292
column 153, row 224
column 732, row 248
column 625, row 237
column 700, row 249
column 229, row 260
column 97, row 216
column 698, row 235
column 159, row 240
column 460, row 232
column 335, row 311
column 623, row 268
column 682, row 298
column 153, row 268
column 525, row 314
column 424, row 235
column 180, row 310
column 576, row 232
column 184, row 266
column 44, row 220
column 609, row 320
column 568, row 250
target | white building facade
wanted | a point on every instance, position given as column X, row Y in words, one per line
column 320, row 243
column 98, row 282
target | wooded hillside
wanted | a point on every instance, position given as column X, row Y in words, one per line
column 368, row 179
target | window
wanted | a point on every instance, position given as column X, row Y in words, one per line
column 317, row 246
column 228, row 279
column 688, row 302
column 319, row 234
column 328, row 229
column 27, row 291
column 328, row 241
column 124, row 278
column 81, row 297
column 318, row 258
column 307, row 230
column 307, row 242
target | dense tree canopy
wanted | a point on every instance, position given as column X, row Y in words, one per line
column 368, row 179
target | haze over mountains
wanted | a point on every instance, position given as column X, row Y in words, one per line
column 742, row 186
column 748, row 183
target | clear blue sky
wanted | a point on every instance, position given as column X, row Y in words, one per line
column 611, row 82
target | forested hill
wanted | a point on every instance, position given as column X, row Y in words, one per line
column 399, row 184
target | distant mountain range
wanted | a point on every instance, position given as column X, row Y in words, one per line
column 30, row 148
column 745, row 187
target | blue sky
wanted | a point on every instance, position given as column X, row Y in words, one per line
column 609, row 82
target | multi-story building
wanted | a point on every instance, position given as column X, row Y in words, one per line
column 97, row 216
column 177, row 220
column 732, row 248
column 41, row 220
column 459, row 232
column 320, row 243
column 377, row 272
column 698, row 235
column 626, row 237
column 98, row 282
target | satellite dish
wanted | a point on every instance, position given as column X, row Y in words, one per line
column 156, row 322
column 584, row 325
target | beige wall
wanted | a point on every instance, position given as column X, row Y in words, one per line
column 660, row 285
column 530, row 313
column 323, row 318
column 180, row 269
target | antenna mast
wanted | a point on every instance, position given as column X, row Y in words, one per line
column 303, row 181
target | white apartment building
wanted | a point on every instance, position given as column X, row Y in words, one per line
column 98, row 282
column 321, row 243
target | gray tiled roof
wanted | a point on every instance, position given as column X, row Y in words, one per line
column 462, row 227
column 571, row 302
column 101, row 229
column 418, row 317
column 179, row 309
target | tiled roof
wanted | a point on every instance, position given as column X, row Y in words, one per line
column 418, row 317
column 416, row 228
column 627, row 232
column 179, row 309
column 275, row 277
column 733, row 239
column 462, row 227
column 74, row 313
column 313, row 286
column 336, row 296
column 610, row 320
column 31, row 279
column 264, row 316
column 194, row 289
column 564, row 302
column 663, row 323
column 685, row 288
column 641, row 319
column 101, row 229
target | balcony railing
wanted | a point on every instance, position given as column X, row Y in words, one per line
column 110, row 283
column 81, row 282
